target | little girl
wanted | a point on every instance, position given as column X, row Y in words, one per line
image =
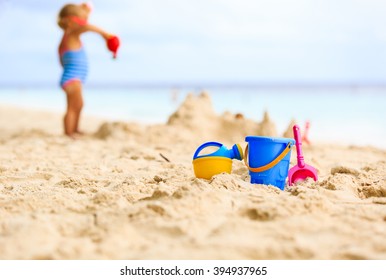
column 72, row 19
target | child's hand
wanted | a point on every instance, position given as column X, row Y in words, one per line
column 107, row 36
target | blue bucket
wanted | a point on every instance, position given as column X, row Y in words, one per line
column 269, row 159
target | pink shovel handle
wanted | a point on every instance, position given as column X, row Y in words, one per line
column 298, row 145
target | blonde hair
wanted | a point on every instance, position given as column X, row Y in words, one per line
column 67, row 10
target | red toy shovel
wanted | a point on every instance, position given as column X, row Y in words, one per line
column 301, row 171
column 113, row 45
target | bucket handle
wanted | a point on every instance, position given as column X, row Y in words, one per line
column 269, row 165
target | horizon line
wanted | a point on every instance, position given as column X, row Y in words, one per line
column 202, row 85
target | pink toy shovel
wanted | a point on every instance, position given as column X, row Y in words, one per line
column 301, row 171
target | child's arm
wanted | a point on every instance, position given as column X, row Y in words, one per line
column 92, row 28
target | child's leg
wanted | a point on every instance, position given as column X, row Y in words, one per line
column 77, row 119
column 74, row 107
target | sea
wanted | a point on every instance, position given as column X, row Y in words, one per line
column 342, row 115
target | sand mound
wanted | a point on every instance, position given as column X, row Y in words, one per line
column 197, row 115
column 194, row 119
column 267, row 127
column 195, row 112
column 288, row 133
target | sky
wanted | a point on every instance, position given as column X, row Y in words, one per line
column 277, row 42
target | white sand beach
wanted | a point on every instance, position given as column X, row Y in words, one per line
column 128, row 191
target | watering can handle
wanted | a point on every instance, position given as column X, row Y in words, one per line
column 269, row 165
column 203, row 146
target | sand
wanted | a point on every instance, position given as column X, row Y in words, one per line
column 128, row 191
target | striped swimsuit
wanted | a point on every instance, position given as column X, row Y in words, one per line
column 75, row 66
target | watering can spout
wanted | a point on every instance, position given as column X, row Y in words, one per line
column 234, row 153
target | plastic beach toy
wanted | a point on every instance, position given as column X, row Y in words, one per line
column 301, row 171
column 234, row 153
column 267, row 159
column 113, row 44
column 208, row 165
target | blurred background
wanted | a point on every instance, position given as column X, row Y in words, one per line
column 321, row 60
